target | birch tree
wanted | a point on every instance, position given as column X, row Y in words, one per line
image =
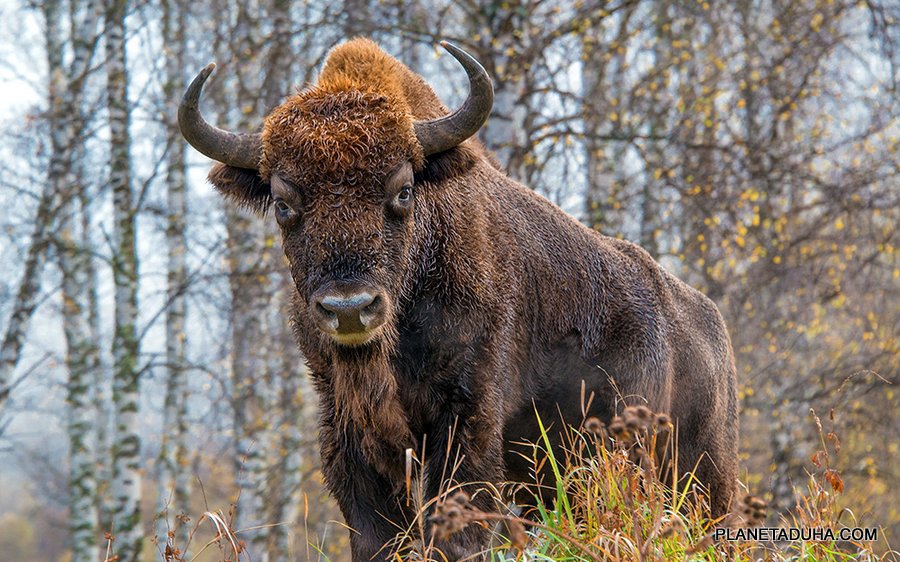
column 28, row 293
column 173, row 477
column 126, row 441
column 67, row 123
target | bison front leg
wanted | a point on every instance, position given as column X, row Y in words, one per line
column 371, row 502
column 467, row 456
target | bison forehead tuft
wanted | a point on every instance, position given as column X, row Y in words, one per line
column 361, row 64
column 358, row 119
column 329, row 134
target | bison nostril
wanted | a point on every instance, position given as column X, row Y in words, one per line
column 371, row 313
column 329, row 314
column 373, row 306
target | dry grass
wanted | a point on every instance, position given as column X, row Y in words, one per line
column 609, row 502
column 231, row 548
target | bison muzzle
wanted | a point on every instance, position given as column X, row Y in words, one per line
column 437, row 297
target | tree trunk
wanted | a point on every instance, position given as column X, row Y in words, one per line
column 67, row 127
column 248, row 269
column 289, row 454
column 173, row 477
column 126, row 441
column 601, row 79
column 28, row 292
column 502, row 47
column 82, row 361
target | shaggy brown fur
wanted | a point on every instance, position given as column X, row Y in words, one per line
column 498, row 303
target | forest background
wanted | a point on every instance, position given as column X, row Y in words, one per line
column 751, row 146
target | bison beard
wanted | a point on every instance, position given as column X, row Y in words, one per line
column 365, row 396
column 494, row 304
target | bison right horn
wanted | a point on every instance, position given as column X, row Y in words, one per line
column 241, row 150
column 447, row 132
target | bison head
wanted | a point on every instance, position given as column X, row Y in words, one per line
column 337, row 165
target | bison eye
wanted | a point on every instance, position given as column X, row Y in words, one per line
column 283, row 211
column 403, row 199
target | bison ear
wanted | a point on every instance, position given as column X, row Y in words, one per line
column 449, row 164
column 242, row 186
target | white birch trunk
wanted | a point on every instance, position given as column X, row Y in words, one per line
column 86, row 17
column 242, row 267
column 66, row 178
column 67, row 128
column 28, row 292
column 81, row 361
column 126, row 441
column 102, row 404
column 173, row 477
column 249, row 265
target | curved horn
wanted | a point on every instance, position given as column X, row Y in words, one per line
column 446, row 132
column 241, row 150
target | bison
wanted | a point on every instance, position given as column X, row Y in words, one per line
column 436, row 297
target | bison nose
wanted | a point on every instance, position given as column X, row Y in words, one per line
column 354, row 313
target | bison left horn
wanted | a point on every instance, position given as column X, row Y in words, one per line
column 447, row 132
column 240, row 150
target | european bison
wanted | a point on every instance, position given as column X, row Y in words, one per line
column 435, row 295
